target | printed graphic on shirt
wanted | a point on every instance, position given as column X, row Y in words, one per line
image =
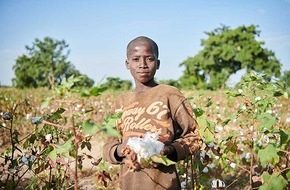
column 152, row 118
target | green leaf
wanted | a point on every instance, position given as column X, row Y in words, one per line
column 157, row 158
column 269, row 155
column 225, row 122
column 57, row 114
column 70, row 81
column 267, row 121
column 288, row 175
column 286, row 95
column 145, row 162
column 108, row 130
column 109, row 125
column 90, row 128
column 73, row 153
column 284, row 138
column 210, row 125
column 231, row 146
column 45, row 103
column 208, row 103
column 86, row 144
column 233, row 94
column 65, row 148
column 52, row 155
column 198, row 112
column 206, row 128
column 96, row 91
column 274, row 181
column 278, row 93
column 32, row 138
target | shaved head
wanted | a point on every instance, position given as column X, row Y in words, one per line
column 143, row 40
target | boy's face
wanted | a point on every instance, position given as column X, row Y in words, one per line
column 142, row 62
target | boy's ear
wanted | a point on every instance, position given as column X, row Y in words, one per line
column 127, row 64
column 158, row 64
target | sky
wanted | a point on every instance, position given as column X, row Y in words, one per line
column 98, row 32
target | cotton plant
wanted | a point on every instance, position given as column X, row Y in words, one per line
column 148, row 149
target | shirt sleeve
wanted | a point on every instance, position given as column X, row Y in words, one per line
column 189, row 141
column 109, row 150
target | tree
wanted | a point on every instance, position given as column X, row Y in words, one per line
column 45, row 65
column 117, row 84
column 225, row 52
column 286, row 77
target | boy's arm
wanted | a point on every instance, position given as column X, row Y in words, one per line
column 189, row 141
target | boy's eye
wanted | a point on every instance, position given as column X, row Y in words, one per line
column 150, row 58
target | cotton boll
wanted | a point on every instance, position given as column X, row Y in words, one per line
column 135, row 144
column 233, row 165
column 211, row 166
column 151, row 136
column 217, row 183
column 48, row 137
column 147, row 146
column 158, row 146
column 211, row 145
column 258, row 98
column 143, row 154
column 205, row 170
column 24, row 160
column 288, row 119
column 27, row 158
column 183, row 185
column 150, row 151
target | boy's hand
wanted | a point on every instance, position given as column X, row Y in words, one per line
column 121, row 149
column 167, row 150
column 131, row 160
column 128, row 156
column 170, row 152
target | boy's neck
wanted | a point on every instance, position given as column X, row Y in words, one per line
column 142, row 87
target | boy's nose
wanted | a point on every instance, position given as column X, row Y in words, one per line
column 143, row 63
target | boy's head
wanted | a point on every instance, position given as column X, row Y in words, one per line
column 142, row 60
column 145, row 40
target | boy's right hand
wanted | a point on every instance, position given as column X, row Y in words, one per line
column 128, row 156
column 121, row 149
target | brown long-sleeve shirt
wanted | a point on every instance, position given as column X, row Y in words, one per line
column 161, row 109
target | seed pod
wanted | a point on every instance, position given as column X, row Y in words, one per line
column 7, row 116
column 36, row 120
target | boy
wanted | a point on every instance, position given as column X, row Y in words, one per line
column 151, row 108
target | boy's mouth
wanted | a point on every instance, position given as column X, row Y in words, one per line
column 143, row 73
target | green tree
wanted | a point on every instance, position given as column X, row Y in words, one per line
column 117, row 84
column 225, row 52
column 170, row 82
column 286, row 77
column 45, row 65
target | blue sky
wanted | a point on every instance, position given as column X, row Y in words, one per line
column 98, row 31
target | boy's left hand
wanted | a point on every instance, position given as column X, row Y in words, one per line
column 167, row 150
column 170, row 152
